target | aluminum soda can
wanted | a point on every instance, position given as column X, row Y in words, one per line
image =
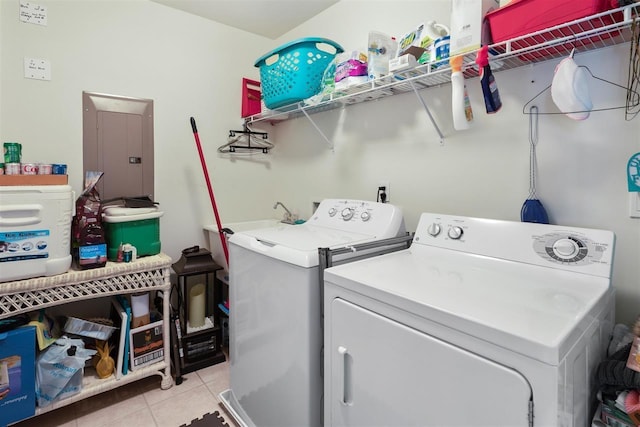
column 44, row 169
column 12, row 168
column 12, row 152
column 59, row 169
column 29, row 169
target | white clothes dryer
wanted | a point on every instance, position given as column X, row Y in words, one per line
column 275, row 310
column 479, row 323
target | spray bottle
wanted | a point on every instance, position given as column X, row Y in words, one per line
column 492, row 100
column 460, row 105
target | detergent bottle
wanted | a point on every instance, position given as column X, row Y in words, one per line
column 492, row 100
column 460, row 105
column 431, row 32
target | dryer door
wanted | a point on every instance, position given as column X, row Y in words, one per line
column 385, row 373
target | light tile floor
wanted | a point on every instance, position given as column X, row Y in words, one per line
column 144, row 404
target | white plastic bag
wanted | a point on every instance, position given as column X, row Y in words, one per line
column 59, row 370
column 381, row 49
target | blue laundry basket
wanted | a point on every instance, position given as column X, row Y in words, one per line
column 294, row 71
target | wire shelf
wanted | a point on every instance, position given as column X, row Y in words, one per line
column 114, row 279
column 593, row 32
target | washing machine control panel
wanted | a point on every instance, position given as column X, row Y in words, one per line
column 349, row 210
column 571, row 248
column 359, row 216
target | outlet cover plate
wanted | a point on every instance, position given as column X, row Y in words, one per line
column 387, row 188
column 634, row 205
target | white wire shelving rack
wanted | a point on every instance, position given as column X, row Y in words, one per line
column 147, row 274
column 593, row 32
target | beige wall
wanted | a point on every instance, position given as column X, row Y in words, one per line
column 193, row 67
column 189, row 66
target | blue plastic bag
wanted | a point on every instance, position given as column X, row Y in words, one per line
column 59, row 370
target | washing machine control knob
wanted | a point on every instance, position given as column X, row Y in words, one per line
column 455, row 232
column 434, row 229
column 565, row 248
column 333, row 211
column 365, row 216
column 347, row 214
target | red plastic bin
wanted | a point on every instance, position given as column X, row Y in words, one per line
column 521, row 17
column 251, row 98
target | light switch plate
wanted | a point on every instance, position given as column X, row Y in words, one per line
column 38, row 69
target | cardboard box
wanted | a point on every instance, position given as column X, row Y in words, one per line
column 147, row 345
column 402, row 63
column 17, row 374
column 33, row 180
column 467, row 18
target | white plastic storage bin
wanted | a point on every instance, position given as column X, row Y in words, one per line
column 35, row 231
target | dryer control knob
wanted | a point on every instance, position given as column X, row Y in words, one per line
column 347, row 214
column 333, row 211
column 434, row 229
column 455, row 232
column 565, row 248
column 365, row 216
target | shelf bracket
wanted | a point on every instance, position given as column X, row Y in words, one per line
column 328, row 141
column 426, row 108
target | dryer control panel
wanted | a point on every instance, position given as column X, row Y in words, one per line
column 570, row 248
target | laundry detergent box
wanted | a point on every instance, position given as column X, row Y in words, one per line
column 17, row 374
column 35, row 231
column 139, row 227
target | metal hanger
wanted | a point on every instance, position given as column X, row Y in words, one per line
column 246, row 140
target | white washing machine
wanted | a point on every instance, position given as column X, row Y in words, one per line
column 479, row 323
column 275, row 313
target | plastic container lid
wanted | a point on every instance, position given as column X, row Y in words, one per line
column 117, row 214
column 456, row 63
column 118, row 211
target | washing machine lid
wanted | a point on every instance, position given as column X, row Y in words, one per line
column 536, row 311
column 296, row 244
